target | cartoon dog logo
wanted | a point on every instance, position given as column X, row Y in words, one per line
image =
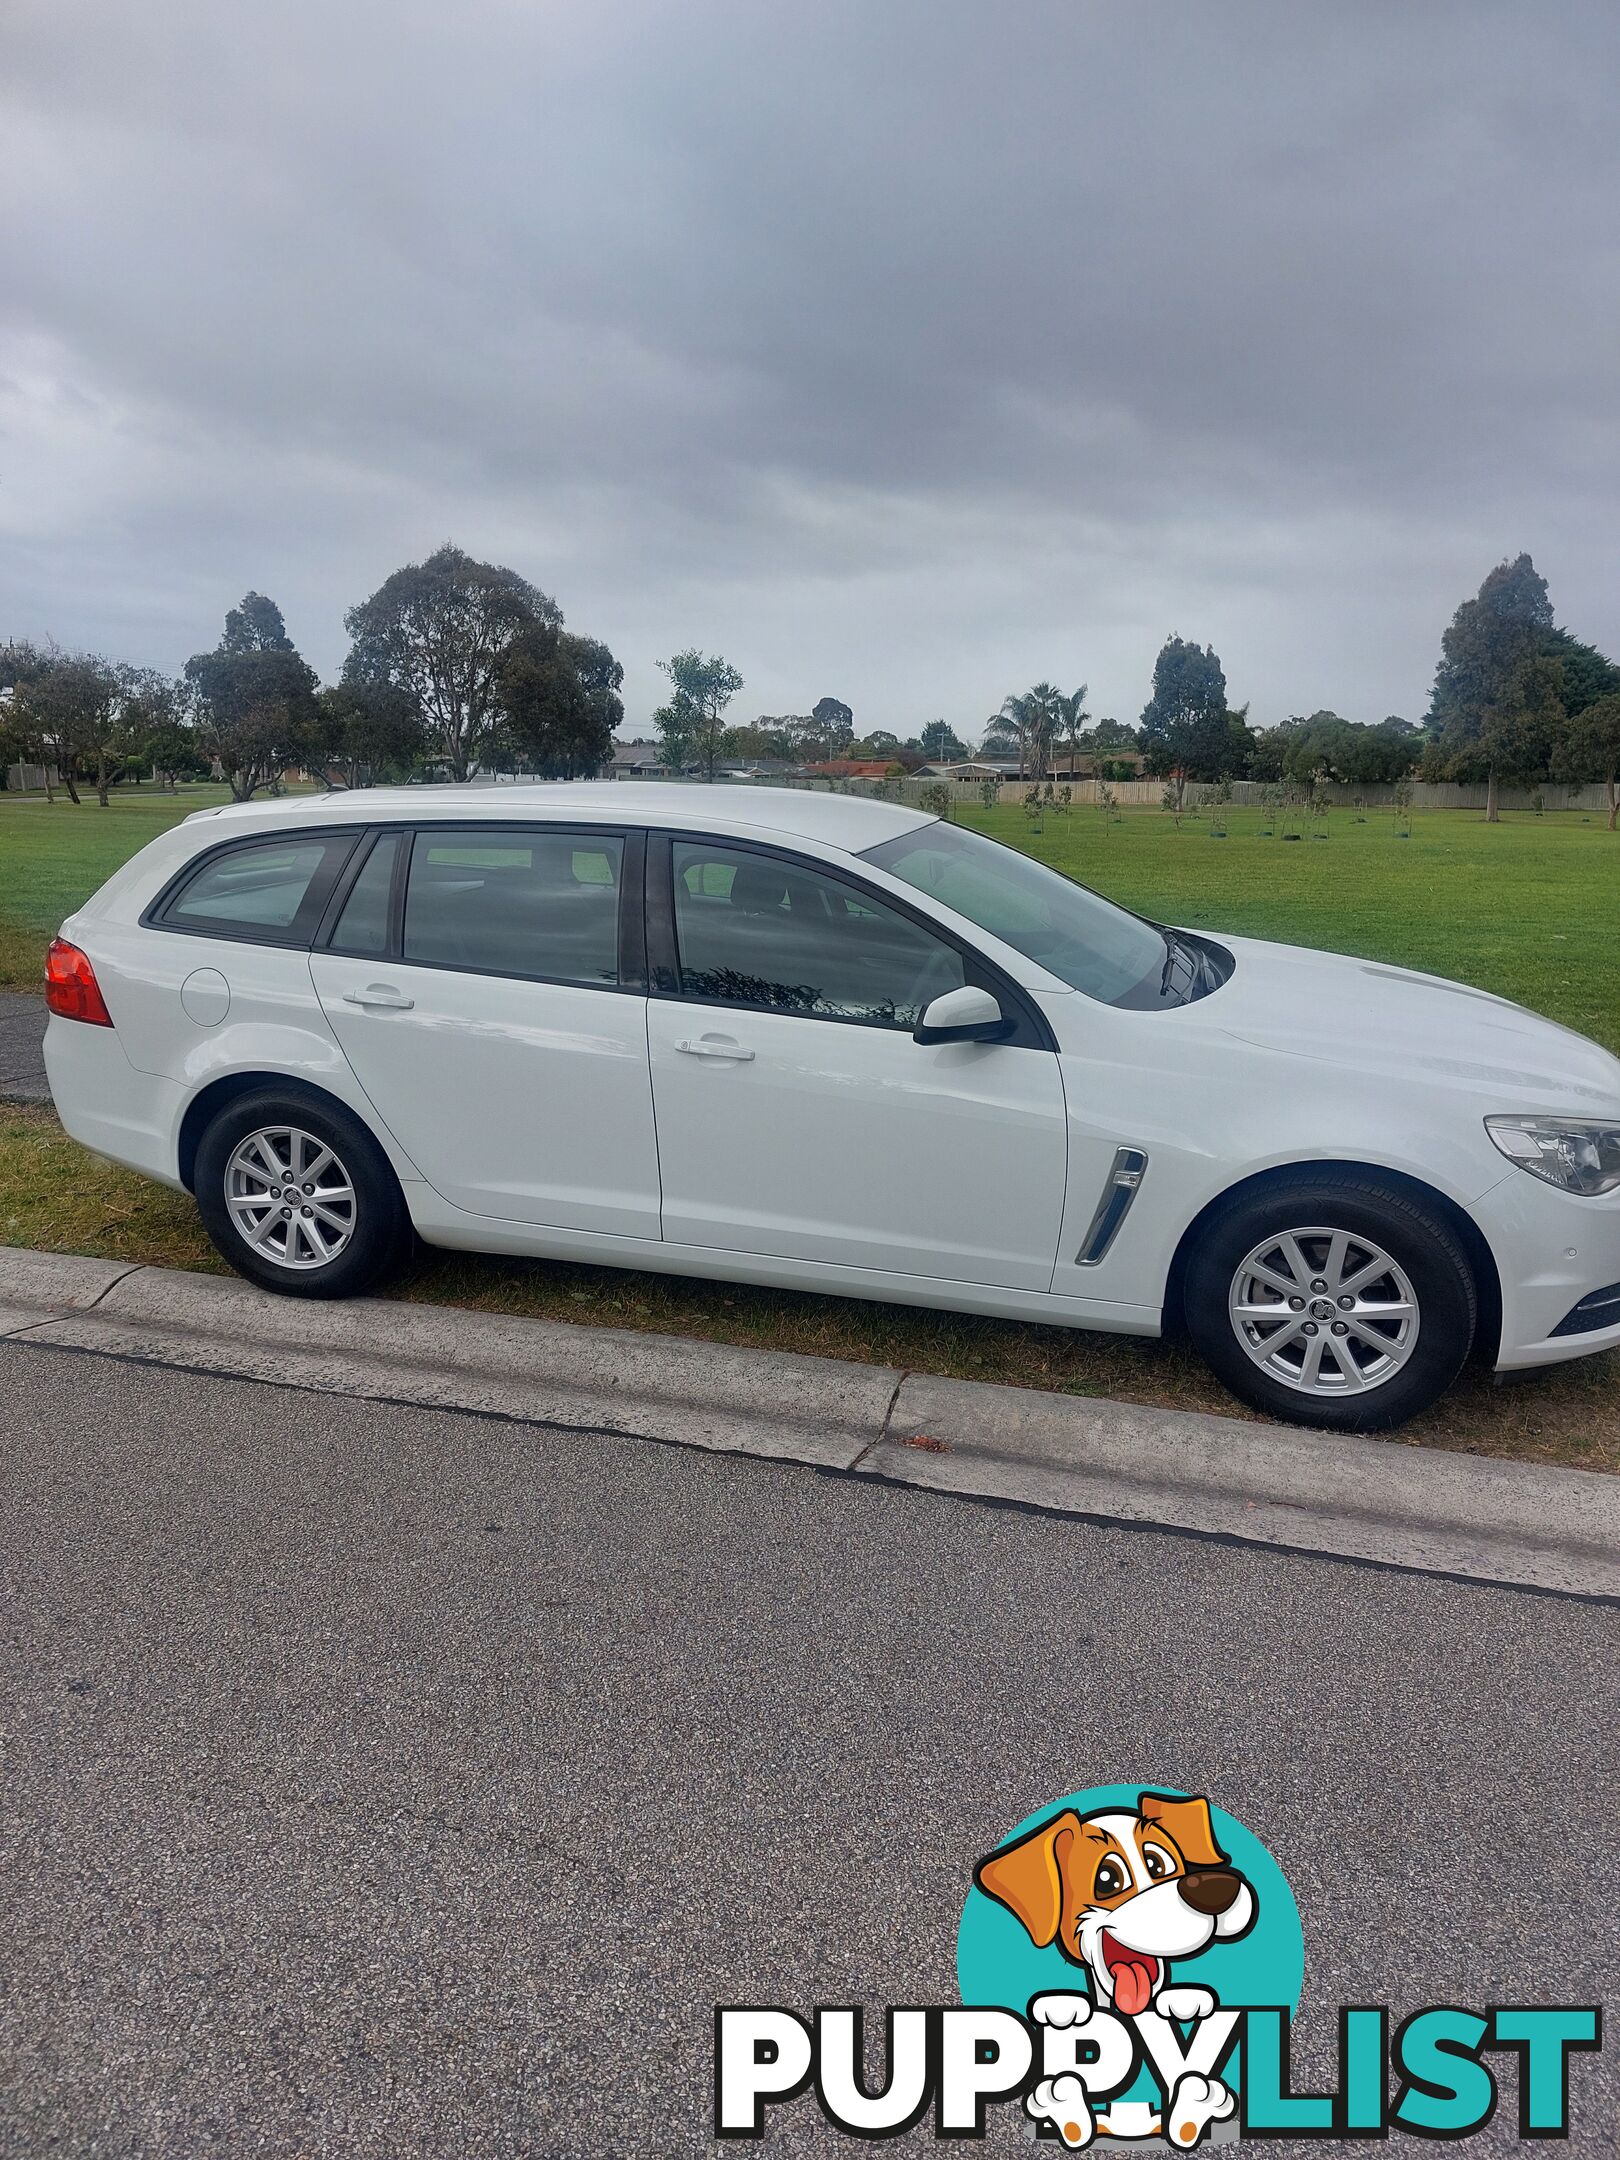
column 1123, row 1894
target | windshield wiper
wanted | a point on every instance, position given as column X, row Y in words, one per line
column 1174, row 950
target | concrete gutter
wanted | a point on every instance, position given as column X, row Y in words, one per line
column 1371, row 1500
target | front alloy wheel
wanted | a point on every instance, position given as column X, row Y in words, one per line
column 1336, row 1297
column 1324, row 1311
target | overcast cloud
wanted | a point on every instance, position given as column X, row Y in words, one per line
column 902, row 350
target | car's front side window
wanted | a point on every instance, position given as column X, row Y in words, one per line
column 544, row 904
column 267, row 891
column 1077, row 935
column 767, row 930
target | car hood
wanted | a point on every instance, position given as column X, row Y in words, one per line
column 1362, row 1014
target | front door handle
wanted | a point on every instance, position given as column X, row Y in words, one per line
column 716, row 1046
column 379, row 997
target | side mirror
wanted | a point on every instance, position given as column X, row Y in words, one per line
column 965, row 1015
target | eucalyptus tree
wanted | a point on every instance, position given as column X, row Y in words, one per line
column 560, row 697
column 440, row 630
column 253, row 698
column 1590, row 750
column 1497, row 710
column 691, row 727
column 1184, row 722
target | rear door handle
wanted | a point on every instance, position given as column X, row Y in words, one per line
column 716, row 1046
column 379, row 997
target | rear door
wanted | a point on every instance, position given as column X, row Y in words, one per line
column 487, row 983
column 797, row 1118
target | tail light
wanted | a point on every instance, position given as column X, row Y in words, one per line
column 71, row 989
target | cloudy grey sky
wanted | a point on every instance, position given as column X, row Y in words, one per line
column 903, row 350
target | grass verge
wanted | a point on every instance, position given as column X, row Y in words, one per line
column 56, row 1197
column 53, row 856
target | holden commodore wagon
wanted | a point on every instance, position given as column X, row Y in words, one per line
column 833, row 1045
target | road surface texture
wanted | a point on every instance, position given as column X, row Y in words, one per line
column 395, row 1782
column 22, row 1054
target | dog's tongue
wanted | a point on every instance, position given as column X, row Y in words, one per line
column 1133, row 1985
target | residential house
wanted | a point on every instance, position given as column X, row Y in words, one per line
column 844, row 768
column 638, row 760
column 974, row 768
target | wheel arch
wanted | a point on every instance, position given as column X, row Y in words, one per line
column 208, row 1102
column 1481, row 1260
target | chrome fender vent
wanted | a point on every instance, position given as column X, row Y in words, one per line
column 1124, row 1182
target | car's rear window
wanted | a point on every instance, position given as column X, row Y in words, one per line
column 261, row 889
column 541, row 904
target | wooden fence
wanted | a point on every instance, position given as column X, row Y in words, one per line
column 1426, row 794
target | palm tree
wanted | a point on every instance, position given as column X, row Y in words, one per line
column 1033, row 719
column 1071, row 718
column 1015, row 716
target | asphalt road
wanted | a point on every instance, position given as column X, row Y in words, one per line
column 384, row 1782
column 22, row 1058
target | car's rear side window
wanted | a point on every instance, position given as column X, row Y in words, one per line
column 364, row 927
column 268, row 891
column 516, row 903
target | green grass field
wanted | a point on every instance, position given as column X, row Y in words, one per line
column 1529, row 908
column 53, row 856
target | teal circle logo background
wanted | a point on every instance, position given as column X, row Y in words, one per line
column 997, row 1963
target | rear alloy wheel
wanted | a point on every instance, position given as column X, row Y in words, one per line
column 1334, row 1300
column 297, row 1195
column 290, row 1197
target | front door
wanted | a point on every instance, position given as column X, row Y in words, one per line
column 478, row 981
column 796, row 1116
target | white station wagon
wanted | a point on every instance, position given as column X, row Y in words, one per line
column 833, row 1045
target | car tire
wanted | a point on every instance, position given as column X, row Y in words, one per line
column 297, row 1195
column 1286, row 1299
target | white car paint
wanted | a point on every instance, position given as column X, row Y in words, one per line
column 790, row 1154
column 566, row 1121
column 574, row 1150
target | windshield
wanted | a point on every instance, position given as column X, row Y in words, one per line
column 1080, row 937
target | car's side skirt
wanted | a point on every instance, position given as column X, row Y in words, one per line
column 437, row 1223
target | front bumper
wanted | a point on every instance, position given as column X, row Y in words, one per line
column 1552, row 1250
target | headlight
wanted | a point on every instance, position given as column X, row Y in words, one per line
column 1578, row 1155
